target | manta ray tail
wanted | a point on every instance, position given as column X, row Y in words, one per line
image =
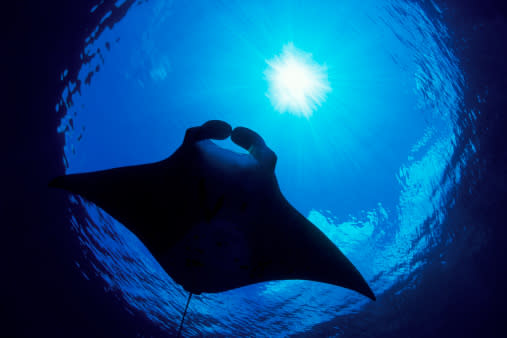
column 184, row 313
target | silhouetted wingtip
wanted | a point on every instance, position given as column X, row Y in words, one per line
column 56, row 182
column 370, row 295
column 364, row 289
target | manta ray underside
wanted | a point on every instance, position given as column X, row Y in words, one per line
column 216, row 220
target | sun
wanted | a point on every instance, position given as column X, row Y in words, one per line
column 296, row 83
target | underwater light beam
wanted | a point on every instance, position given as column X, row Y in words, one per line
column 296, row 83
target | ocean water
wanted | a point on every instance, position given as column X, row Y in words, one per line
column 376, row 166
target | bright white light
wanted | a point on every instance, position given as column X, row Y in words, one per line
column 297, row 84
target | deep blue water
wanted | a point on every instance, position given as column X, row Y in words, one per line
column 376, row 167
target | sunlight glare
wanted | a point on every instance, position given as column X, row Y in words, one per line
column 296, row 83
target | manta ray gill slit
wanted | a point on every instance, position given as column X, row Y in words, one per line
column 296, row 83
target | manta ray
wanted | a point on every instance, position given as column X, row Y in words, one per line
column 216, row 219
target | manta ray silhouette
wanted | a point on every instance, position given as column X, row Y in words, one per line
column 215, row 219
